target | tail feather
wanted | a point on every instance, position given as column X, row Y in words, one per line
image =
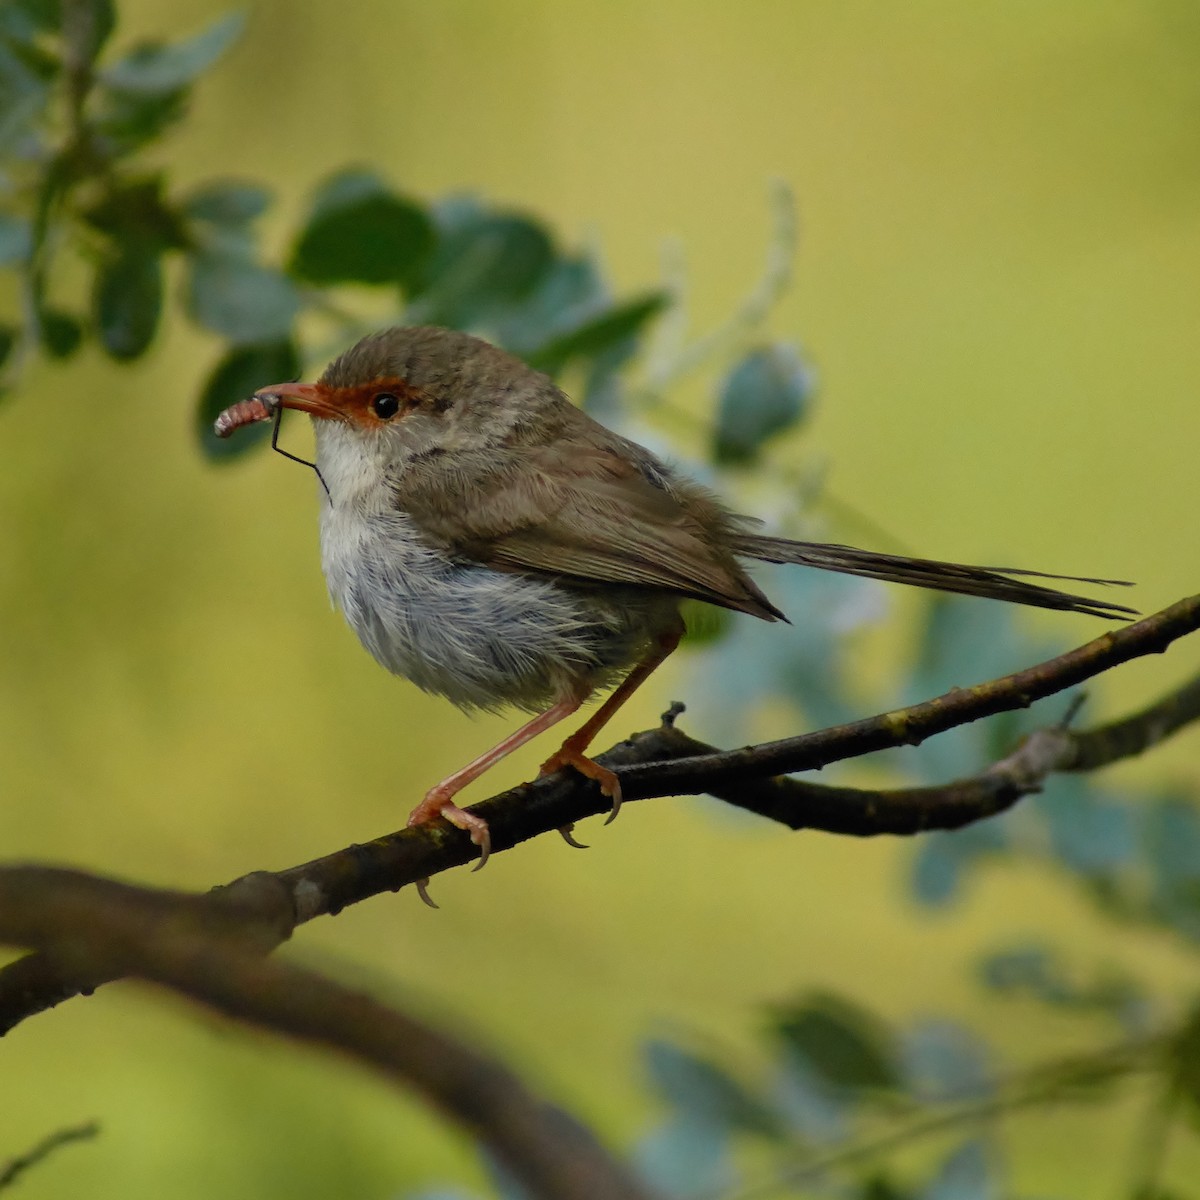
column 992, row 582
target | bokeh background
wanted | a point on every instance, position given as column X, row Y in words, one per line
column 997, row 284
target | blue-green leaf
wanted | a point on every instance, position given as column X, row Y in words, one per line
column 240, row 372
column 15, row 240
column 813, row 1110
column 157, row 69
column 685, row 1158
column 1089, row 833
column 705, row 1092
column 964, row 1175
column 1040, row 972
column 936, row 870
column 227, row 202
column 361, row 232
column 945, row 1062
column 766, row 393
column 484, row 265
column 23, row 94
column 570, row 293
column 1171, row 832
column 942, row 856
column 241, row 300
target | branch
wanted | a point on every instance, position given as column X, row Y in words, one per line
column 96, row 927
column 911, row 726
column 1045, row 1085
column 665, row 761
column 16, row 1167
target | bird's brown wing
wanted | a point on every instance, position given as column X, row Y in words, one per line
column 593, row 515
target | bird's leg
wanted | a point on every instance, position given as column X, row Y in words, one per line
column 439, row 800
column 571, row 752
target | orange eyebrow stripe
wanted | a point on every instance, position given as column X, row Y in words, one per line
column 355, row 400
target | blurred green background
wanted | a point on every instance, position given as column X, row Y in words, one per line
column 997, row 283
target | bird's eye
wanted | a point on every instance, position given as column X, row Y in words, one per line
column 385, row 405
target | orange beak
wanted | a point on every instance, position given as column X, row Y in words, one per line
column 312, row 398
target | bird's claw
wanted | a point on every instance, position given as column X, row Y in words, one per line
column 610, row 785
column 434, row 806
column 567, row 833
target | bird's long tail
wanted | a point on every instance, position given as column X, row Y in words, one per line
column 993, row 582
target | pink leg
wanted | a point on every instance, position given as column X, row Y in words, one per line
column 571, row 752
column 439, row 800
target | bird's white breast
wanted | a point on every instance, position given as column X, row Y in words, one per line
column 482, row 638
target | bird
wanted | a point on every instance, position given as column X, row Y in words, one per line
column 496, row 545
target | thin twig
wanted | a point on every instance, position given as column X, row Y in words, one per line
column 47, row 1146
column 1153, row 1132
column 1045, row 1084
column 667, row 368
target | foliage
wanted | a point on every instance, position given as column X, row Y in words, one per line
column 80, row 199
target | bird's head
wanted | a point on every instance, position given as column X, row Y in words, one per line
column 404, row 393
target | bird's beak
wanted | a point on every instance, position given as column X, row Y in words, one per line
column 312, row 398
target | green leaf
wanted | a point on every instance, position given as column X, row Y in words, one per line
column 361, row 232
column 47, row 16
column 137, row 210
column 126, row 121
column 227, row 202
column 882, row 1187
column 704, row 1092
column 155, row 68
column 240, row 372
column 766, row 393
column 847, row 1047
column 15, row 239
column 600, row 334
column 62, row 334
column 127, row 299
column 8, row 339
column 43, row 15
column 241, row 300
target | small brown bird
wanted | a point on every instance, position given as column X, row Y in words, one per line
column 494, row 544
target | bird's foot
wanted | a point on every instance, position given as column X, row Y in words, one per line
column 568, row 756
column 437, row 804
